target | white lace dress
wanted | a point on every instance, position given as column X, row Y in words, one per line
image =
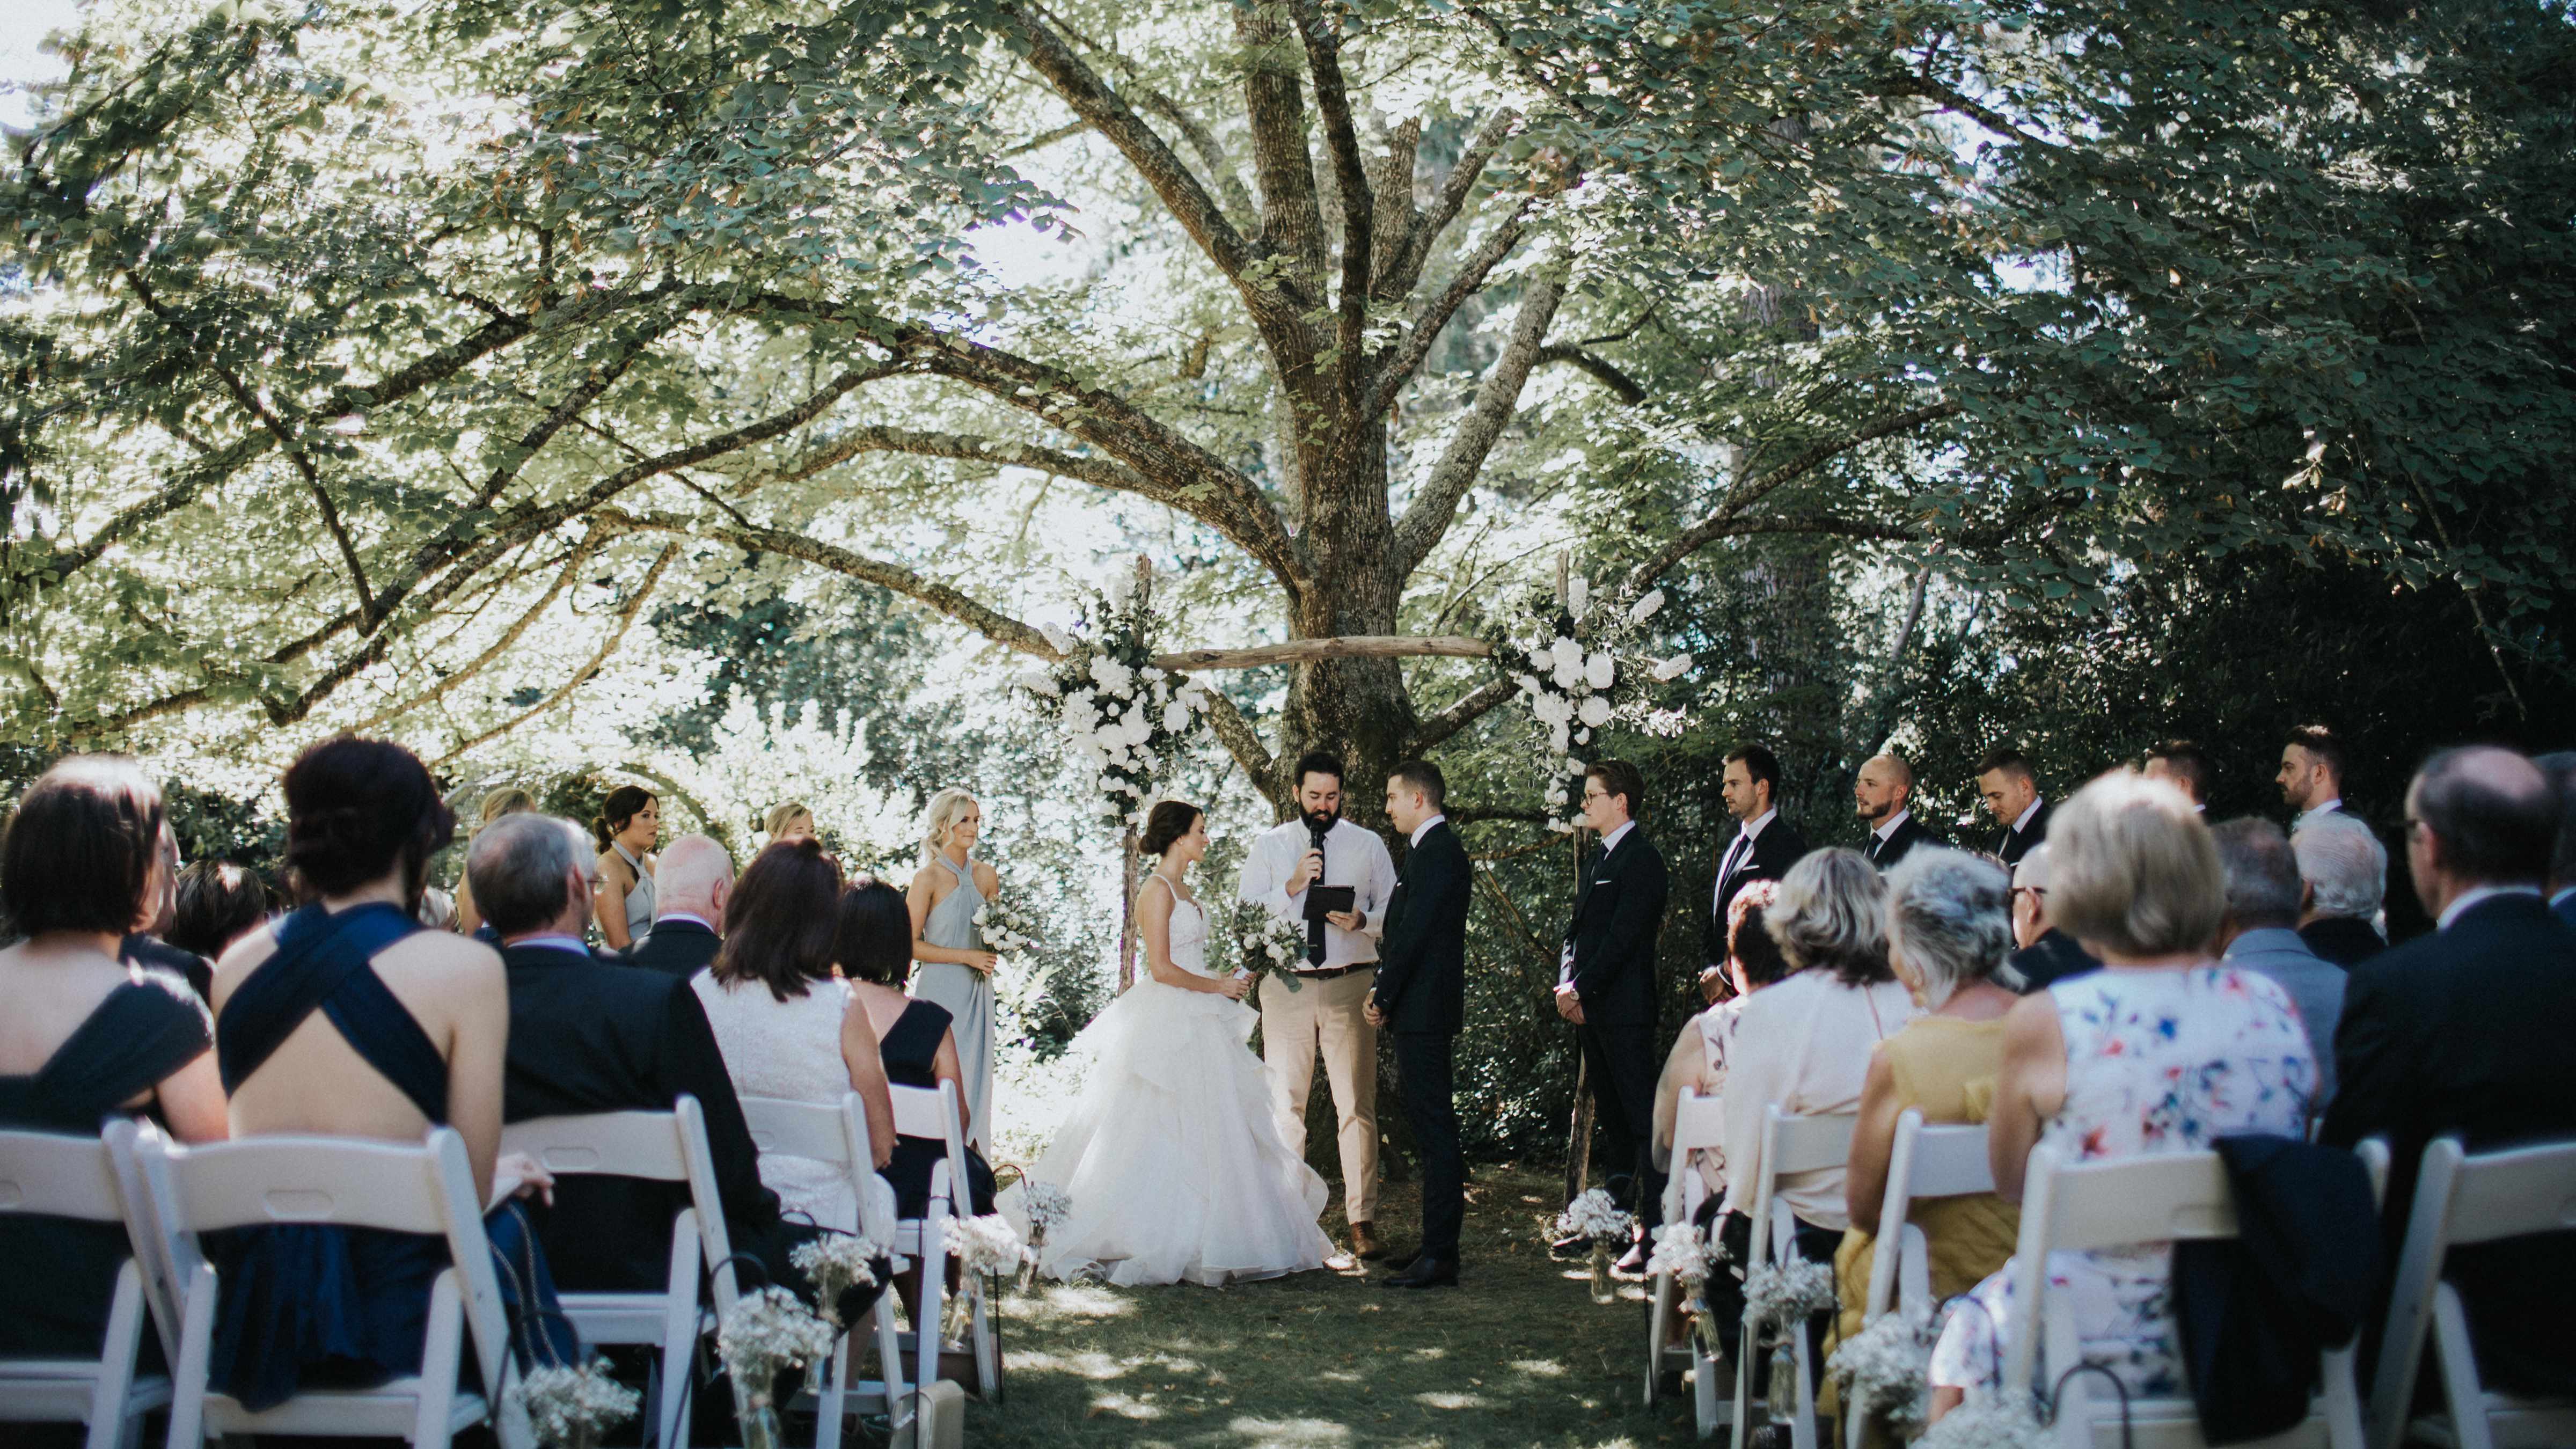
column 790, row 1049
column 1172, row 1155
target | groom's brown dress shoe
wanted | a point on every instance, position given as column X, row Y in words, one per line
column 1364, row 1243
column 1424, row 1273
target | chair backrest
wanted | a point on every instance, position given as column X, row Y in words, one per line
column 834, row 1133
column 655, row 1146
column 338, row 1182
column 1699, row 1123
column 2066, row 1206
column 1923, row 1162
column 52, row 1174
column 165, row 1288
column 1804, row 1144
column 932, row 1113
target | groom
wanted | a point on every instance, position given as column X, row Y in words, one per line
column 1420, row 999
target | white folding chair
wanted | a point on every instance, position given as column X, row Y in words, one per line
column 925, row 1112
column 838, row 1135
column 2068, row 1207
column 45, row 1174
column 1790, row 1144
column 1699, row 1123
column 656, row 1147
column 349, row 1183
column 2460, row 1199
column 1923, row 1162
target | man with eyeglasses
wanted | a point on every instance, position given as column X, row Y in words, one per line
column 1606, row 987
column 2047, row 954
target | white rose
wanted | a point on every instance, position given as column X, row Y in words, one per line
column 1574, row 766
column 1566, row 654
column 1673, row 668
column 1644, row 609
column 1528, row 684
column 1578, row 595
column 1583, row 737
column 1560, row 737
column 1057, row 640
column 1599, row 670
column 1176, row 717
column 1568, row 673
column 1596, row 712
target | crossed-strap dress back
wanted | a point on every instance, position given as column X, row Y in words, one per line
column 315, row 1304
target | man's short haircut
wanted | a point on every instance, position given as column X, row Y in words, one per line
column 2323, row 743
column 2560, row 768
column 2493, row 827
column 2009, row 760
column 81, row 847
column 2190, row 763
column 872, row 936
column 1424, row 776
column 218, row 901
column 2136, row 873
column 2262, row 873
column 688, row 867
column 1904, row 770
column 2030, row 873
column 519, row 869
column 1760, row 764
column 1618, row 777
column 2344, row 865
column 1317, row 762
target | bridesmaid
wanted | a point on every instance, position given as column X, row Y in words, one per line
column 628, row 827
column 956, row 971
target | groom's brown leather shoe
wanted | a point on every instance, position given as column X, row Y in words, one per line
column 1364, row 1243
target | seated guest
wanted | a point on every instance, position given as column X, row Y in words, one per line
column 872, row 944
column 2159, row 1051
column 2465, row 1031
column 408, row 1030
column 1949, row 925
column 787, row 1029
column 1698, row 1060
column 149, row 945
column 2259, row 933
column 508, row 800
column 2560, row 767
column 689, row 892
column 86, row 1037
column 593, row 1034
column 2047, row 955
column 220, row 901
column 2343, row 873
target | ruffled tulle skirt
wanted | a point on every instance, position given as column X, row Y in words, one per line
column 1172, row 1157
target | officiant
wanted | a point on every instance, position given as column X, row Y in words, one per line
column 1320, row 1007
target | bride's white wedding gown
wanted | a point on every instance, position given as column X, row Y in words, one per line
column 1172, row 1156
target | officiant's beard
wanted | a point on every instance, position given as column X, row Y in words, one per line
column 1321, row 820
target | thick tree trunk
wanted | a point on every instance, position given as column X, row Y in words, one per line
column 1357, row 708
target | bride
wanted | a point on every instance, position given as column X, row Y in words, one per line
column 1172, row 1158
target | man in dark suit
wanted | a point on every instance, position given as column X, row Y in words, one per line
column 593, row 1034
column 1607, row 987
column 690, row 885
column 1763, row 847
column 2187, row 766
column 1884, row 793
column 2047, row 954
column 1420, row 999
column 2560, row 767
column 2465, row 1031
column 2012, row 795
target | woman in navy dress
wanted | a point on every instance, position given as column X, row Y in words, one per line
column 348, row 1019
column 85, row 1036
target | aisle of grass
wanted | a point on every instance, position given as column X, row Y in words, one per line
column 1518, row 1354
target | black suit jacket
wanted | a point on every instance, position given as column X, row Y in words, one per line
column 2054, row 957
column 2347, row 941
column 1886, row 853
column 1422, row 954
column 2013, row 844
column 2466, row 1031
column 675, row 946
column 1616, row 920
column 592, row 1034
column 1777, row 848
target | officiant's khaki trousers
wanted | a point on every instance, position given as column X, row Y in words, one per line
column 1325, row 1016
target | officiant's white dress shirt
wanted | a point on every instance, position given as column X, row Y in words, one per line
column 1353, row 857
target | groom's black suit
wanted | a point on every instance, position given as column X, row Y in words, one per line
column 1422, row 990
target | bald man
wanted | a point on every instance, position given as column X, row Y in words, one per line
column 2465, row 1031
column 1884, row 793
column 690, row 886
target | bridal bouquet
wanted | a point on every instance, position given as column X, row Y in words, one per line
column 571, row 1408
column 1579, row 663
column 1269, row 942
column 1007, row 928
column 767, row 1330
column 1122, row 715
column 1885, row 1367
column 1783, row 1298
column 1596, row 1216
column 985, row 1248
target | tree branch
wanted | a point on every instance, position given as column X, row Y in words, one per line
column 581, row 555
column 1236, row 734
column 1309, row 651
column 1630, row 391
column 1720, row 523
column 1428, row 517
column 1350, row 175
column 1461, row 712
column 848, row 445
column 1425, row 327
column 1399, row 277
column 625, row 621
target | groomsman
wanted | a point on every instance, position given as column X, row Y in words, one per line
column 1420, row 997
column 2187, row 765
column 1763, row 847
column 1607, row 985
column 2311, row 776
column 2012, row 795
column 1884, row 791
column 1325, row 1012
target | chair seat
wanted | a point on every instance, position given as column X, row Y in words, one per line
column 387, row 1410
column 37, row 1390
column 619, row 1317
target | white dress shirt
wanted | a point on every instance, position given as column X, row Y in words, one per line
column 1353, row 857
column 1740, row 850
column 1419, row 831
column 2479, row 895
column 2312, row 816
column 1610, row 842
column 2021, row 822
column 1893, row 821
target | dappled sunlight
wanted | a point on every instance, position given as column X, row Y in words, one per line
column 1087, row 1299
column 1292, row 1431
column 1441, row 1400
column 1537, row 1368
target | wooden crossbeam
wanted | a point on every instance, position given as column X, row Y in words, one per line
column 1349, row 646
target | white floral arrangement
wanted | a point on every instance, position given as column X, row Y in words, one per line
column 1596, row 1215
column 1690, row 1258
column 1784, row 1298
column 1580, row 664
column 1269, row 942
column 1123, row 717
column 836, row 1263
column 985, row 1248
column 1007, row 928
column 573, row 1408
column 1987, row 1421
column 766, row 1331
column 1884, row 1369
column 1047, row 1206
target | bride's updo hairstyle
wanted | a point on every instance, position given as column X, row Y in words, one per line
column 356, row 809
column 1170, row 821
column 778, row 923
column 874, row 939
column 941, row 816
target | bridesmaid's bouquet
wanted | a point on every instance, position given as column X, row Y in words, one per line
column 1007, row 929
column 1268, row 943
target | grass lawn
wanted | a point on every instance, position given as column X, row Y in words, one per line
column 1517, row 1354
